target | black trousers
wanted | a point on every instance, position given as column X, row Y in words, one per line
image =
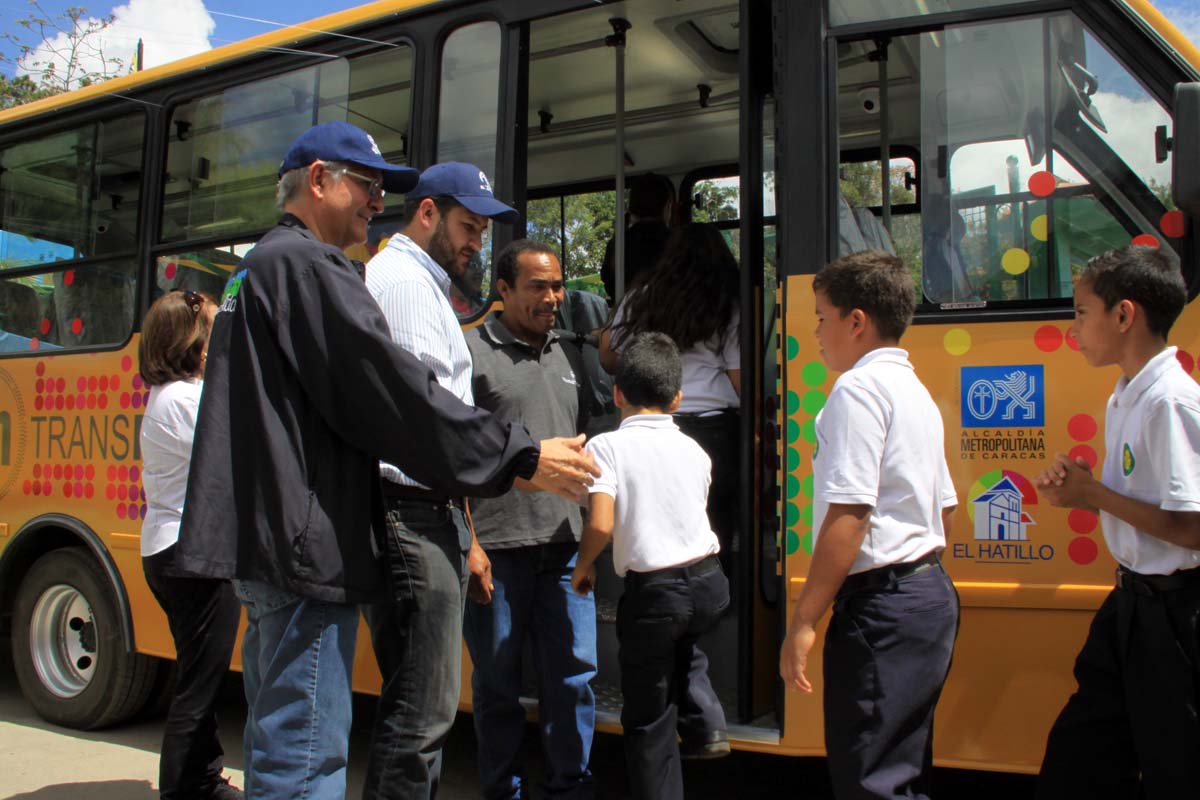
column 717, row 434
column 1130, row 730
column 664, row 675
column 203, row 615
column 887, row 654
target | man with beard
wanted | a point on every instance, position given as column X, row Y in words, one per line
column 430, row 547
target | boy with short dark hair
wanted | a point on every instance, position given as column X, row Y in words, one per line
column 1130, row 730
column 651, row 499
column 883, row 499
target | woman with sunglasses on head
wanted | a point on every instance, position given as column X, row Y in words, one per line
column 202, row 613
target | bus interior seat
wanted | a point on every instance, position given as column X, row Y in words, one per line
column 101, row 298
column 876, row 236
column 859, row 229
column 18, row 309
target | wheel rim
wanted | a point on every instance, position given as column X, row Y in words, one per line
column 62, row 640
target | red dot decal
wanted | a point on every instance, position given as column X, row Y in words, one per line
column 1082, row 427
column 91, row 401
column 37, row 488
column 114, row 382
column 81, row 384
column 133, row 491
column 77, row 326
column 1041, row 184
column 102, row 401
column 69, row 277
column 1048, row 338
column 67, row 490
column 40, row 368
column 124, row 399
column 27, row 487
column 1082, row 551
column 122, row 492
column 1185, row 361
column 60, row 385
column 1173, row 224
column 90, row 472
column 1085, row 452
column 1071, row 341
column 59, row 403
column 137, row 382
column 88, row 491
column 1082, row 521
column 121, row 510
column 126, row 363
column 46, row 488
column 133, row 511
column 110, row 492
column 104, row 383
column 57, row 472
column 70, row 402
column 40, row 386
column 134, row 474
column 78, row 472
column 123, row 473
column 45, row 327
column 1145, row 240
column 112, row 472
column 34, row 344
column 37, row 470
column 169, row 270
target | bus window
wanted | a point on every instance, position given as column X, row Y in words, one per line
column 88, row 305
column 860, row 202
column 579, row 226
column 204, row 270
column 847, row 12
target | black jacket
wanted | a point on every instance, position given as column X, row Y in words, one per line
column 304, row 393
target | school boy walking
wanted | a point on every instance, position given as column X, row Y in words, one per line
column 651, row 500
column 883, row 499
column 1130, row 730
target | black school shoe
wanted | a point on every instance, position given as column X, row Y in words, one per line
column 222, row 790
column 715, row 745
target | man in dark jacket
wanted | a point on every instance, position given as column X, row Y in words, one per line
column 304, row 393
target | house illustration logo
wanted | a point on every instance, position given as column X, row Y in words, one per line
column 999, row 515
column 997, row 503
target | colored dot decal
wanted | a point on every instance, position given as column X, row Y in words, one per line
column 1185, row 361
column 1082, row 427
column 90, row 472
column 793, row 542
column 807, row 514
column 45, row 327
column 69, row 277
column 1082, row 551
column 1082, row 521
column 1070, row 339
column 806, row 542
column 814, row 401
column 121, row 510
column 1145, row 240
column 77, row 326
column 133, row 511
column 134, row 474
column 809, row 431
column 793, row 402
column 34, row 344
column 40, row 369
column 169, row 270
column 957, row 341
column 110, row 492
column 112, row 472
column 1048, row 338
column 1014, row 261
column 793, row 459
column 793, row 486
column 814, row 373
column 1085, row 452
column 793, row 431
column 806, row 486
column 126, row 363
column 1173, row 224
column 124, row 399
column 137, row 382
column 123, row 473
column 1040, row 228
column 793, row 514
column 1041, row 184
column 793, row 348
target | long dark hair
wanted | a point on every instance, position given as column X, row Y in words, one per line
column 690, row 295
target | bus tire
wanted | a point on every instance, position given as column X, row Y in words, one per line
column 67, row 647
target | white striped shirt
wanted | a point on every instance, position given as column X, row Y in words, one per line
column 413, row 292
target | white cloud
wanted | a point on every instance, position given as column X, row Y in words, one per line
column 1186, row 19
column 169, row 30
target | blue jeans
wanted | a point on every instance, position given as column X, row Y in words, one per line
column 297, row 660
column 533, row 599
column 418, row 644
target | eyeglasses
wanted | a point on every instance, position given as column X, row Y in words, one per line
column 193, row 299
column 374, row 186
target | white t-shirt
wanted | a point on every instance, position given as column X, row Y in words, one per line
column 658, row 477
column 168, row 425
column 880, row 443
column 1152, row 438
column 706, row 386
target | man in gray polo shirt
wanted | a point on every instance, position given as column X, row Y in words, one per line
column 524, row 373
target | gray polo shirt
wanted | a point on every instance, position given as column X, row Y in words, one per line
column 542, row 390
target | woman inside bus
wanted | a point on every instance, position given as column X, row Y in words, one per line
column 692, row 296
column 202, row 614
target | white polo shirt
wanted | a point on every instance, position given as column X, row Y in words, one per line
column 168, row 427
column 1152, row 438
column 880, row 444
column 658, row 477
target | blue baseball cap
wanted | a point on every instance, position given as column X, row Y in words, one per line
column 468, row 185
column 341, row 141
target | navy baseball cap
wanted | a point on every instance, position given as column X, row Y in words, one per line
column 341, row 141
column 468, row 185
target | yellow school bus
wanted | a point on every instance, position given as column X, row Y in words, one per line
column 995, row 145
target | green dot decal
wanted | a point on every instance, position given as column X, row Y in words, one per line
column 793, row 459
column 813, row 374
column 793, row 514
column 793, row 402
column 806, row 515
column 793, row 542
column 793, row 429
column 807, row 543
column 809, row 431
column 793, row 347
column 814, row 401
column 806, row 486
column 793, row 486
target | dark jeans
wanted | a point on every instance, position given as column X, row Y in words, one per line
column 717, row 434
column 887, row 654
column 418, row 644
column 664, row 675
column 203, row 616
column 1130, row 730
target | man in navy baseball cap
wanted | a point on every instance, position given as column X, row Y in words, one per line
column 341, row 141
column 468, row 185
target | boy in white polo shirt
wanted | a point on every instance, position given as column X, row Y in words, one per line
column 883, row 499
column 1130, row 730
column 651, row 499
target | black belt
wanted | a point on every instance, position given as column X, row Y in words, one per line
column 413, row 494
column 885, row 576
column 702, row 567
column 1150, row 585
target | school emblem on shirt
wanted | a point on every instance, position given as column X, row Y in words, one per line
column 997, row 505
column 1127, row 461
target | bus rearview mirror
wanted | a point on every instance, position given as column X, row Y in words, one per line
column 1185, row 147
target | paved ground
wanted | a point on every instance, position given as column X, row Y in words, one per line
column 39, row 761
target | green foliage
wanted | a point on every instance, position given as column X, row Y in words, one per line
column 52, row 64
column 19, row 90
column 582, row 238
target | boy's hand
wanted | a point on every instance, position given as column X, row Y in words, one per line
column 1067, row 483
column 583, row 580
column 793, row 658
column 479, row 584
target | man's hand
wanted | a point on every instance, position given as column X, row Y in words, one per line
column 479, row 584
column 564, row 468
column 793, row 657
column 1066, row 483
column 583, row 579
